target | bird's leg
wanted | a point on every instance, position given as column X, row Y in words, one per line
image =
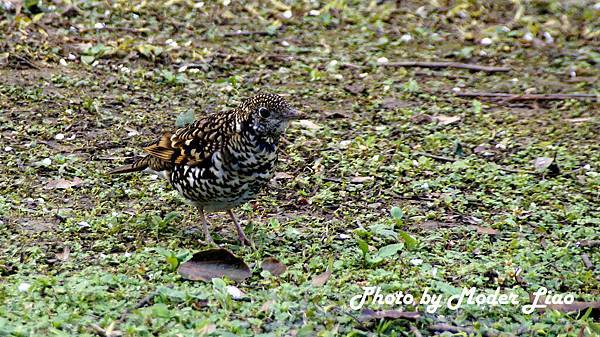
column 241, row 236
column 207, row 237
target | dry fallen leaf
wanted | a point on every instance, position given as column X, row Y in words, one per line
column 265, row 307
column 360, row 180
column 421, row 119
column 485, row 230
column 305, row 123
column 356, row 88
column 62, row 183
column 391, row 103
column 64, row 256
column 543, row 163
column 321, row 279
column 235, row 292
column 214, row 263
column 433, row 224
column 273, row 266
column 131, row 132
column 283, row 175
column 446, row 120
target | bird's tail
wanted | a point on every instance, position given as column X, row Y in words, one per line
column 138, row 165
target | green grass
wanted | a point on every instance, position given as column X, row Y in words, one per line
column 78, row 259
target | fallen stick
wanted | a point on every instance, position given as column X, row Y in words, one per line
column 27, row 61
column 115, row 29
column 527, row 97
column 436, row 157
column 475, row 67
column 246, row 33
column 589, row 243
column 512, row 170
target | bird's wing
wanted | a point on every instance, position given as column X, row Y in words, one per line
column 194, row 143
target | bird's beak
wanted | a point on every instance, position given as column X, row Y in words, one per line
column 292, row 114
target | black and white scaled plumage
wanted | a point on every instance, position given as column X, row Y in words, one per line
column 224, row 159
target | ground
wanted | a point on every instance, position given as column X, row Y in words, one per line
column 84, row 87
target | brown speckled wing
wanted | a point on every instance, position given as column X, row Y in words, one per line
column 194, row 143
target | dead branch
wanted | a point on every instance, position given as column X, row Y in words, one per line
column 589, row 243
column 440, row 158
column 474, row 67
column 116, row 29
column 246, row 33
column 512, row 170
column 527, row 97
column 26, row 61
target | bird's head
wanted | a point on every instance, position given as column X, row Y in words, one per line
column 269, row 114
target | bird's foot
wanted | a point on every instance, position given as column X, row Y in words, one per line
column 208, row 240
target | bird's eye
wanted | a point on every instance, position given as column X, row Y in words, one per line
column 264, row 112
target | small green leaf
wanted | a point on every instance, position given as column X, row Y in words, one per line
column 397, row 213
column 218, row 283
column 410, row 242
column 170, row 217
column 476, row 107
column 594, row 327
column 586, row 315
column 160, row 310
column 362, row 245
column 172, row 261
column 373, row 259
column 87, row 59
column 390, row 250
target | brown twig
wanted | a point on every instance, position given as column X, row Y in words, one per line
column 589, row 243
column 116, row 29
column 26, row 60
column 475, row 67
column 527, row 97
column 441, row 158
column 512, row 170
column 246, row 33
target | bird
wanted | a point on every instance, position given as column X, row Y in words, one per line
column 223, row 159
